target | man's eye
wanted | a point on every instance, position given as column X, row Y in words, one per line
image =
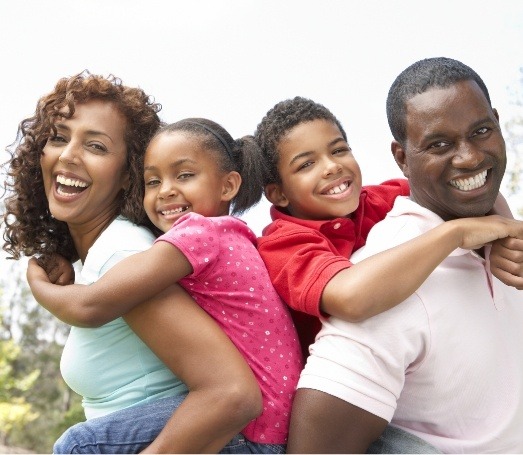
column 438, row 145
column 483, row 130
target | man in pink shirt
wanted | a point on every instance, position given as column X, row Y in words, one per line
column 445, row 365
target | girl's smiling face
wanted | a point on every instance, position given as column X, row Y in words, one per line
column 320, row 179
column 181, row 176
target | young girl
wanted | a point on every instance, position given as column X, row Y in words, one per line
column 193, row 173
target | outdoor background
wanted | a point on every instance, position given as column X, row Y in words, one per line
column 229, row 61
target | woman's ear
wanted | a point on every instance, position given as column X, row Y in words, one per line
column 398, row 152
column 275, row 195
column 231, row 185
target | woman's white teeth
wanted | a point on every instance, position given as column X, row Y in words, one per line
column 471, row 183
column 338, row 189
column 174, row 211
column 70, row 182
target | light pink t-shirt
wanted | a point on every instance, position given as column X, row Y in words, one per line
column 231, row 283
column 446, row 364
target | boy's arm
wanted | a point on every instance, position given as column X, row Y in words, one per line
column 131, row 281
column 223, row 393
column 322, row 423
column 384, row 280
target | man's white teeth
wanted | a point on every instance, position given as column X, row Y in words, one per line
column 174, row 211
column 338, row 189
column 70, row 182
column 471, row 183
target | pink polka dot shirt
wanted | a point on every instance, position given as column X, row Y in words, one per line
column 231, row 283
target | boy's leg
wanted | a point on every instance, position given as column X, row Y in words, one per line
column 395, row 440
column 129, row 430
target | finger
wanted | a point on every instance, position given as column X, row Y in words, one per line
column 508, row 278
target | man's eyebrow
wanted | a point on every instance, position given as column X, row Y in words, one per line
column 308, row 153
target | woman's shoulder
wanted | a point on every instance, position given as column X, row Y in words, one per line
column 122, row 233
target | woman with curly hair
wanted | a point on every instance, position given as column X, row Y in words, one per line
column 75, row 189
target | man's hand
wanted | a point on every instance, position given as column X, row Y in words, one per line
column 506, row 261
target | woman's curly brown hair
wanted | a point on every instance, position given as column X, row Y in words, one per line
column 30, row 229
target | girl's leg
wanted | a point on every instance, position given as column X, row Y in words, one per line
column 395, row 440
column 239, row 444
column 129, row 430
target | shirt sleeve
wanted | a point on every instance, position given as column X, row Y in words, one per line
column 300, row 264
column 366, row 363
column 198, row 240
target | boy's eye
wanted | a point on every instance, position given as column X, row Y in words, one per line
column 342, row 150
column 305, row 165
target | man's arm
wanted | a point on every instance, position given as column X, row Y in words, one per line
column 322, row 423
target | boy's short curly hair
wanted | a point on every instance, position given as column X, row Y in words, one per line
column 284, row 116
column 29, row 227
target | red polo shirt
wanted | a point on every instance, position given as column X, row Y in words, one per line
column 303, row 255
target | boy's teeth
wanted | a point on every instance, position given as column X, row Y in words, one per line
column 471, row 183
column 70, row 182
column 338, row 189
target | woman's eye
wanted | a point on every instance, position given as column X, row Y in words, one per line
column 98, row 147
column 56, row 139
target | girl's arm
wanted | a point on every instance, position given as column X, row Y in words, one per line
column 384, row 280
column 223, row 393
column 134, row 279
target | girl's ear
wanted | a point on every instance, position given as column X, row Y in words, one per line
column 274, row 193
column 231, row 185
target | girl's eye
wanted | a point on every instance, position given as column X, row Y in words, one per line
column 185, row 175
column 152, row 182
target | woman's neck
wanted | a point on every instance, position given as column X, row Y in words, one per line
column 85, row 235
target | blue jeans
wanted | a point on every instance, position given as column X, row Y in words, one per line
column 131, row 430
column 395, row 440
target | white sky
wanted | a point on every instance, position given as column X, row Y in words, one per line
column 233, row 60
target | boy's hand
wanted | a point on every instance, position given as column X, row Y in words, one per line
column 506, row 261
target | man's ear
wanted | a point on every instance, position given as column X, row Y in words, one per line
column 231, row 185
column 496, row 114
column 398, row 152
column 275, row 195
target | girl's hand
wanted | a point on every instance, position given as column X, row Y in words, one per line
column 55, row 270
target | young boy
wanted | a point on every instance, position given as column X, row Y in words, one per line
column 321, row 214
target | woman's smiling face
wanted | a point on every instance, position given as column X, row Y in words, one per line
column 84, row 165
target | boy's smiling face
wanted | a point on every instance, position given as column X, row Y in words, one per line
column 320, row 179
